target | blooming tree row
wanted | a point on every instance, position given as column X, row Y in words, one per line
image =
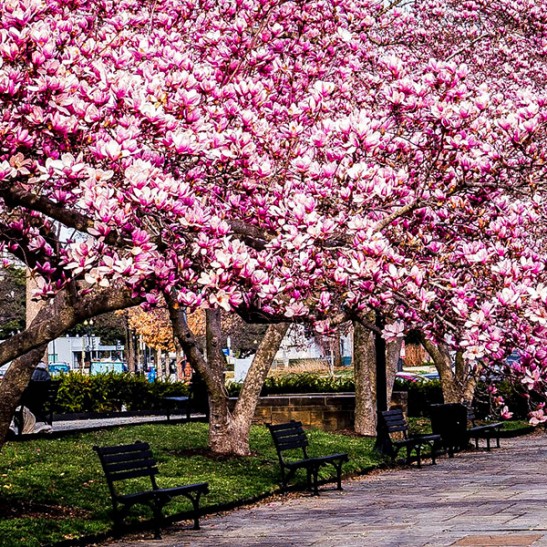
column 287, row 161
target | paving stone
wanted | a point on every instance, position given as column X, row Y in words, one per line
column 500, row 540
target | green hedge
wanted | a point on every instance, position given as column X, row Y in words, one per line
column 420, row 394
column 109, row 392
column 299, row 383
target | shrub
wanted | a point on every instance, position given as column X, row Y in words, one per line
column 109, row 392
column 300, row 383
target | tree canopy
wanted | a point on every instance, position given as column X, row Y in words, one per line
column 286, row 160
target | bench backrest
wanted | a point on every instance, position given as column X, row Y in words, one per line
column 471, row 416
column 289, row 436
column 40, row 396
column 129, row 461
column 394, row 421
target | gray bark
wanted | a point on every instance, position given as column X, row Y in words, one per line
column 364, row 358
column 27, row 348
column 457, row 383
column 228, row 430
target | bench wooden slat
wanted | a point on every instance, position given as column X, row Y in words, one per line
column 393, row 421
column 122, row 448
column 128, row 457
column 288, row 443
column 122, row 475
column 291, row 436
column 124, row 462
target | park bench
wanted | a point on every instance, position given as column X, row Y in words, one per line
column 485, row 431
column 179, row 403
column 39, row 397
column 196, row 401
column 393, row 423
column 131, row 462
column 290, row 441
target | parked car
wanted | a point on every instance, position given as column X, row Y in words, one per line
column 409, row 377
column 514, row 358
column 58, row 368
column 100, row 367
column 4, row 369
column 430, row 376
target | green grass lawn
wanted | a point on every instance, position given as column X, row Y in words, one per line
column 53, row 490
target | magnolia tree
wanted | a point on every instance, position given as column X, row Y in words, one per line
column 286, row 161
column 488, row 266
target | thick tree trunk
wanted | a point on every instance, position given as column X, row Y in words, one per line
column 393, row 353
column 28, row 347
column 457, row 383
column 364, row 357
column 228, row 431
column 13, row 384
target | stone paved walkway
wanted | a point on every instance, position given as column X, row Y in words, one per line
column 475, row 499
column 82, row 425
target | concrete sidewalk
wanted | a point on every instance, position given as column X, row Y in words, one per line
column 479, row 498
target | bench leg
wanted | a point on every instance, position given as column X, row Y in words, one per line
column 195, row 504
column 339, row 475
column 157, row 506
column 498, row 441
column 433, row 455
column 315, row 473
column 418, row 455
column 117, row 529
column 285, row 480
column 488, row 442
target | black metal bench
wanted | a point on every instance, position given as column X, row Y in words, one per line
column 39, row 397
column 393, row 422
column 135, row 461
column 177, row 402
column 485, row 431
column 290, row 441
column 197, row 400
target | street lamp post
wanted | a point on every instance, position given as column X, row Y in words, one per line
column 88, row 326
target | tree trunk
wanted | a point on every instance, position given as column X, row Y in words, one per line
column 458, row 383
column 139, row 354
column 364, row 359
column 159, row 365
column 129, row 347
column 32, row 307
column 27, row 348
column 336, row 350
column 14, row 383
column 228, row 430
column 393, row 353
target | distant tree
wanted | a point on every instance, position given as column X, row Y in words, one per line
column 108, row 327
column 154, row 326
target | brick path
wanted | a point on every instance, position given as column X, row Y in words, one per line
column 475, row 499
